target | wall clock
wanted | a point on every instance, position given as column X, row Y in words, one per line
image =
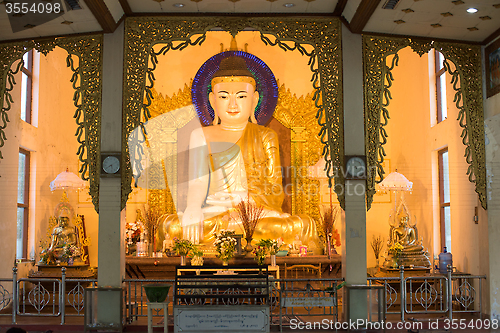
column 355, row 167
column 110, row 164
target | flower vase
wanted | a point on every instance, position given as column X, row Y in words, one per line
column 395, row 263
column 225, row 263
column 183, row 260
column 273, row 260
column 248, row 247
column 150, row 249
column 377, row 264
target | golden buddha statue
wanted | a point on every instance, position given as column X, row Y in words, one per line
column 230, row 161
column 62, row 236
column 406, row 235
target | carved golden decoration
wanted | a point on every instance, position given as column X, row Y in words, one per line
column 87, row 100
column 421, row 47
column 86, row 81
column 165, row 201
column 84, row 241
column 176, row 33
column 299, row 115
column 467, row 83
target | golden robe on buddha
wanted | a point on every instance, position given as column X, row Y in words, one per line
column 250, row 167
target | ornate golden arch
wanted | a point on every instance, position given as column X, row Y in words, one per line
column 142, row 33
column 86, row 81
column 468, row 97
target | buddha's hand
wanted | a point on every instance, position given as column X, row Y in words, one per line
column 192, row 220
column 225, row 199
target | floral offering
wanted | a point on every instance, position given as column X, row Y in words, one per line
column 182, row 246
column 133, row 231
column 275, row 245
column 225, row 244
column 396, row 250
column 71, row 251
column 271, row 245
column 260, row 253
column 196, row 256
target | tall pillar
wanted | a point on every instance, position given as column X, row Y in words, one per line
column 354, row 252
column 111, row 257
column 492, row 129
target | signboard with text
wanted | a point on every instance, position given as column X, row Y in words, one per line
column 234, row 318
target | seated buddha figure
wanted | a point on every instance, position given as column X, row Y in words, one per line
column 62, row 235
column 231, row 160
column 413, row 252
column 404, row 234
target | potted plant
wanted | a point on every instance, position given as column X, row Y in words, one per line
column 377, row 244
column 196, row 256
column 260, row 253
column 182, row 247
column 330, row 234
column 150, row 220
column 273, row 246
column 395, row 250
column 249, row 214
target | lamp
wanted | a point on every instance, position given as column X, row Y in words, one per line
column 395, row 182
column 398, row 183
column 67, row 181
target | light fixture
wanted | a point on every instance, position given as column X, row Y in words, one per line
column 178, row 5
column 398, row 183
column 472, row 10
column 288, row 5
column 67, row 181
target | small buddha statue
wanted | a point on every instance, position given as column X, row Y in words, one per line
column 62, row 235
column 413, row 252
column 404, row 234
column 232, row 160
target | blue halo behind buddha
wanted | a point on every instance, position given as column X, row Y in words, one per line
column 264, row 78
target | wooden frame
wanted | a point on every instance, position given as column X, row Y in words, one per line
column 492, row 56
column 25, row 205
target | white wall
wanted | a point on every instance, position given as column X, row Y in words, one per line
column 492, row 128
column 412, row 150
column 53, row 148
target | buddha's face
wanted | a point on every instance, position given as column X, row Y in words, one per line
column 63, row 221
column 234, row 102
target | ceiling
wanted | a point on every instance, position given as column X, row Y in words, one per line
column 437, row 19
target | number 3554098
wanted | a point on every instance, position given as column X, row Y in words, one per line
column 35, row 8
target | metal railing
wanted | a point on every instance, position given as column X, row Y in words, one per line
column 441, row 294
column 437, row 294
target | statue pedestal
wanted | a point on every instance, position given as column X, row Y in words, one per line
column 394, row 272
column 73, row 272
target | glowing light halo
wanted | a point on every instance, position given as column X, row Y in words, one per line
column 265, row 84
